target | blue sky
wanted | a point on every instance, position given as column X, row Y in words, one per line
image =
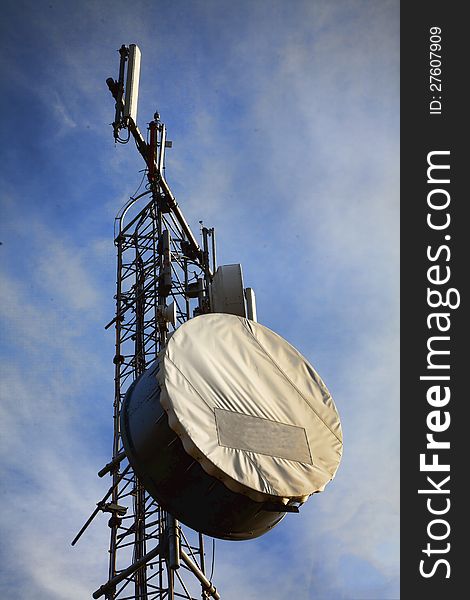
column 284, row 118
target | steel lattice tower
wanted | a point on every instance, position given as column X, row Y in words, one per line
column 162, row 277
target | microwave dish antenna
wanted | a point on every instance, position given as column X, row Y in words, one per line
column 231, row 427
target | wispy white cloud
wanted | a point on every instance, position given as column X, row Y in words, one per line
column 49, row 374
column 63, row 115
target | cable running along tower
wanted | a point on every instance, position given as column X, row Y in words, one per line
column 219, row 423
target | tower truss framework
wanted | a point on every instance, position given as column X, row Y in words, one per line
column 149, row 277
column 163, row 278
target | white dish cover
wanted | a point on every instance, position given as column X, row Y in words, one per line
column 250, row 408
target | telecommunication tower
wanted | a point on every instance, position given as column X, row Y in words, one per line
column 161, row 272
column 219, row 423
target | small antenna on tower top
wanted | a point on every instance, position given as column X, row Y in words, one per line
column 132, row 83
column 126, row 97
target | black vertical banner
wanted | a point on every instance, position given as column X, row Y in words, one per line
column 435, row 358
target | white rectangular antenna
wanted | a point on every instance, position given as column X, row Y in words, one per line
column 227, row 290
column 132, row 83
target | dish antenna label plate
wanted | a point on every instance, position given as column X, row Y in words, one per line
column 254, row 434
